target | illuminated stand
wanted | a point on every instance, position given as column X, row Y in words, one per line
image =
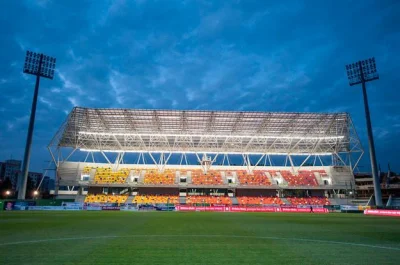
column 136, row 138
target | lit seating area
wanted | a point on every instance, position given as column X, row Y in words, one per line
column 248, row 200
column 197, row 199
column 305, row 178
column 213, row 177
column 103, row 198
column 167, row 177
column 107, row 176
column 155, row 199
column 308, row 201
column 86, row 170
column 258, row 178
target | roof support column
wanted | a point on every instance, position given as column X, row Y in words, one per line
column 106, row 157
column 291, row 162
column 259, row 160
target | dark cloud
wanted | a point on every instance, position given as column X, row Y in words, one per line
column 241, row 55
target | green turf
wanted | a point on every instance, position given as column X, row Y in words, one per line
column 196, row 238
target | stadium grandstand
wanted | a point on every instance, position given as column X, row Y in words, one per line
column 204, row 157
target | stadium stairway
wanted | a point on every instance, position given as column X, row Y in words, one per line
column 182, row 200
column 234, row 201
column 236, row 178
column 80, row 198
column 333, row 201
column 141, row 177
column 319, row 179
column 91, row 175
column 270, row 178
column 224, row 179
column 283, row 181
column 177, row 177
column 189, row 179
column 130, row 199
column 285, row 201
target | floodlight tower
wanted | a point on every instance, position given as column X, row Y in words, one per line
column 39, row 65
column 362, row 72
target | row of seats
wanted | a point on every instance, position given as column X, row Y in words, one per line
column 258, row 178
column 155, row 199
column 213, row 177
column 107, row 176
column 103, row 198
column 248, row 200
column 167, row 177
column 86, row 170
column 305, row 178
column 308, row 201
column 198, row 199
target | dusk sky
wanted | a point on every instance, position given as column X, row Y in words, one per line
column 205, row 55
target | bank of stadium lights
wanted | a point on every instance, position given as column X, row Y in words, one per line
column 39, row 65
column 362, row 72
column 200, row 152
column 216, row 135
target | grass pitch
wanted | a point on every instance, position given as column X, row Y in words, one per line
column 196, row 238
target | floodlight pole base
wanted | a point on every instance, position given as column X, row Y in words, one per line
column 27, row 155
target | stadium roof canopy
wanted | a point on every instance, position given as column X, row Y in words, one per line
column 228, row 132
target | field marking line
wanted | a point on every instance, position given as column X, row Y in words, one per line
column 209, row 236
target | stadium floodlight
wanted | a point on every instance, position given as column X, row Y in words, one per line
column 362, row 72
column 39, row 65
column 215, row 135
column 194, row 152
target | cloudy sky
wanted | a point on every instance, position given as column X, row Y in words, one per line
column 218, row 55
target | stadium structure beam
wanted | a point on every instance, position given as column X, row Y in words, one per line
column 162, row 161
column 188, row 132
column 355, row 144
column 87, row 156
column 258, row 162
column 104, row 155
column 291, row 162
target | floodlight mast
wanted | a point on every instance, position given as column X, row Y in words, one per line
column 362, row 72
column 39, row 65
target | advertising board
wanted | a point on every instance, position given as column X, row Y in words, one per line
column 110, row 208
column 249, row 209
column 18, row 205
column 380, row 212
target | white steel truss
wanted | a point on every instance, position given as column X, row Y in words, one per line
column 208, row 132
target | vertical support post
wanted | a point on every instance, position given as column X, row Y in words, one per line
column 291, row 163
column 374, row 167
column 27, row 155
